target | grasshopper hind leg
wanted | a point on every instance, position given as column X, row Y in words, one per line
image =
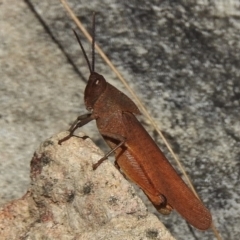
column 160, row 203
column 164, row 210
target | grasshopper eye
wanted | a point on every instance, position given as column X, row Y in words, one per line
column 97, row 82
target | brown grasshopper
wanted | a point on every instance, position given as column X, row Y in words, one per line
column 136, row 153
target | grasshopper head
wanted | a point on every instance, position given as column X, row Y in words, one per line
column 95, row 87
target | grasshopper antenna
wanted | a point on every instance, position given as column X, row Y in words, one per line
column 93, row 41
column 84, row 53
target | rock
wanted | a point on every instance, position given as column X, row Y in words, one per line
column 67, row 199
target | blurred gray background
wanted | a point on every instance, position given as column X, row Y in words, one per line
column 181, row 57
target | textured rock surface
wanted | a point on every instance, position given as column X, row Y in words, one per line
column 182, row 58
column 68, row 200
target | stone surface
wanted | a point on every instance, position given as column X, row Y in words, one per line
column 182, row 58
column 67, row 199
